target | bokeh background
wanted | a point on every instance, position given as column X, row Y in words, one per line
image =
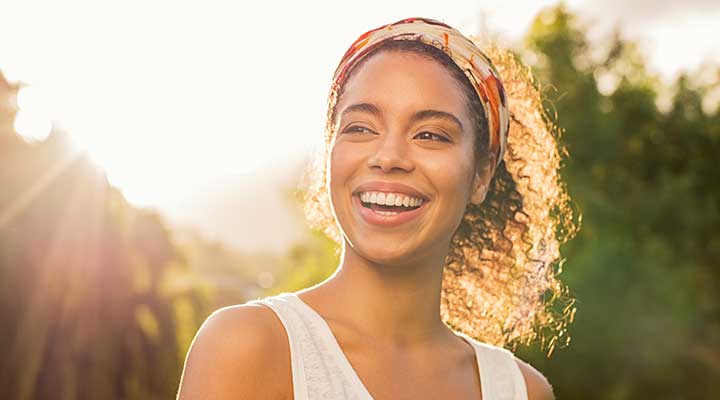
column 150, row 155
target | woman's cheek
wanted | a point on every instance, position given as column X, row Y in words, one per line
column 338, row 164
column 453, row 184
column 342, row 167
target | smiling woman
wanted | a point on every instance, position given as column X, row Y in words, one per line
column 442, row 190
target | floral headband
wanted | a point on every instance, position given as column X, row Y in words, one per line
column 472, row 61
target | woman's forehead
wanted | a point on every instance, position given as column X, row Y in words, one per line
column 403, row 80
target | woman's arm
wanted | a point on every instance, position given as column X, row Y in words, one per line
column 235, row 355
column 538, row 387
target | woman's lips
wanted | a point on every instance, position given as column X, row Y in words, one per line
column 375, row 218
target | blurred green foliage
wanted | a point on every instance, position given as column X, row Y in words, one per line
column 85, row 308
column 645, row 267
column 100, row 299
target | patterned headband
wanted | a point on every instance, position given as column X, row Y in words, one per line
column 472, row 61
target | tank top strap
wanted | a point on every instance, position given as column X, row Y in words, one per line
column 321, row 371
column 500, row 374
column 316, row 372
column 281, row 308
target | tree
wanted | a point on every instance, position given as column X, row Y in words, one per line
column 644, row 266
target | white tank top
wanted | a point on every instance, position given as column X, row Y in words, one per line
column 320, row 369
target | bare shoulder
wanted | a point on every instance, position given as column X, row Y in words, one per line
column 538, row 387
column 239, row 351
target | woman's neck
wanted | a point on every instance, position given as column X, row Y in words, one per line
column 398, row 305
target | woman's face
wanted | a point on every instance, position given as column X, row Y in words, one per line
column 402, row 129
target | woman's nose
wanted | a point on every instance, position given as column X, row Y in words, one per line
column 390, row 154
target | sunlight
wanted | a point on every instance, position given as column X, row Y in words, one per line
column 32, row 121
column 163, row 112
column 25, row 199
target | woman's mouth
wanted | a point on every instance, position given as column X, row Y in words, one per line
column 387, row 215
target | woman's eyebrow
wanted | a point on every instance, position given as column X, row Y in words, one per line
column 361, row 107
column 418, row 116
column 436, row 114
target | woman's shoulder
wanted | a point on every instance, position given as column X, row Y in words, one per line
column 238, row 350
column 538, row 387
column 245, row 327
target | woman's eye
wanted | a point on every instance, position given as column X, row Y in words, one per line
column 430, row 136
column 358, row 129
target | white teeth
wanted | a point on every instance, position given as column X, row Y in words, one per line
column 381, row 198
column 390, row 199
column 387, row 212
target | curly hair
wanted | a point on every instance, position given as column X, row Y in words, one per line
column 500, row 278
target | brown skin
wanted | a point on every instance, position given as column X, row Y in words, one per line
column 383, row 302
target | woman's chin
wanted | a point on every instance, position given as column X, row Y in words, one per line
column 384, row 253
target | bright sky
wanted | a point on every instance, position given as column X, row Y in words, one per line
column 166, row 95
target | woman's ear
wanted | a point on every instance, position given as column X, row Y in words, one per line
column 478, row 193
column 483, row 174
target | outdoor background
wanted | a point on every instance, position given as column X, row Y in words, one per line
column 150, row 155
